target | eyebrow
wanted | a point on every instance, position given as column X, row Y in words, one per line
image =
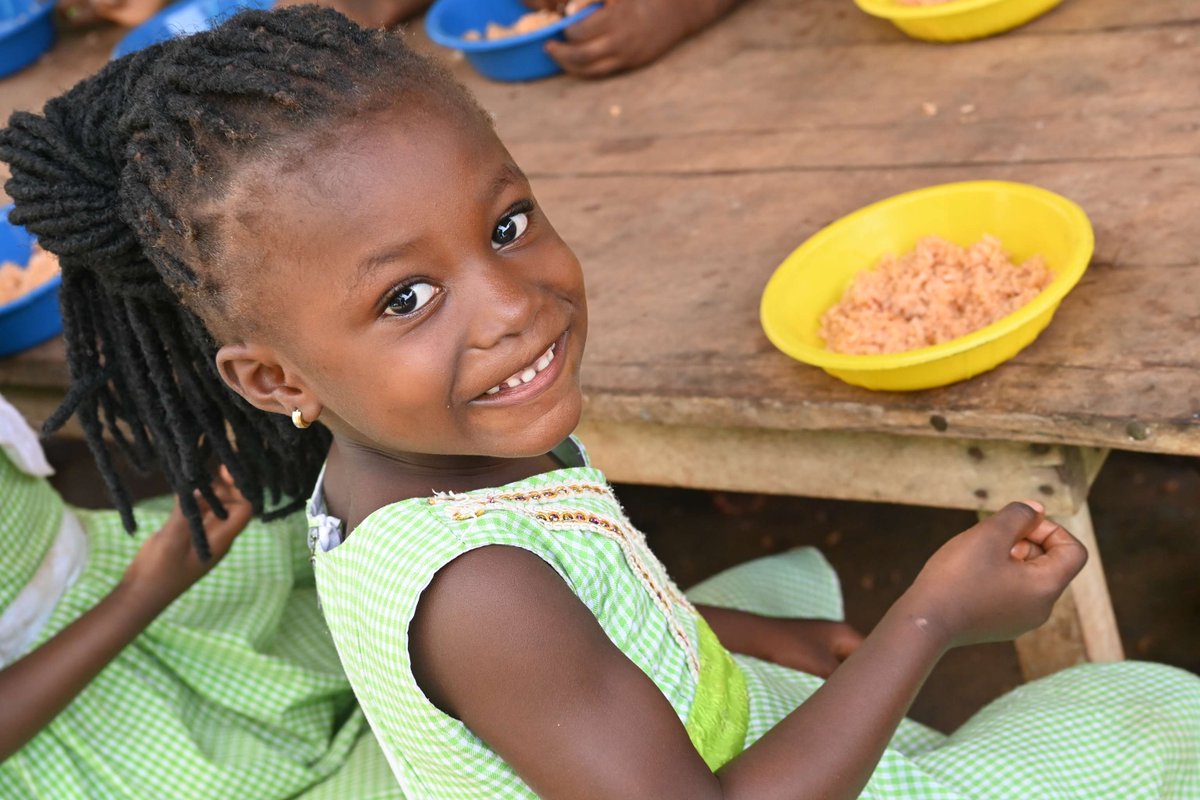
column 508, row 175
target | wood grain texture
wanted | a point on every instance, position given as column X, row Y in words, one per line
column 683, row 185
column 978, row 475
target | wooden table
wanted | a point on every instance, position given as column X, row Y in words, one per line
column 682, row 186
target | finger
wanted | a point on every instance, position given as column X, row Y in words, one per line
column 1026, row 550
column 1016, row 521
column 572, row 7
column 1044, row 531
column 579, row 58
column 177, row 524
column 598, row 23
column 207, row 515
column 1063, row 558
column 226, row 489
column 221, row 532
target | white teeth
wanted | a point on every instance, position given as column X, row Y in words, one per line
column 527, row 374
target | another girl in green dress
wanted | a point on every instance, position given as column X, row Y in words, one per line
column 122, row 677
column 324, row 222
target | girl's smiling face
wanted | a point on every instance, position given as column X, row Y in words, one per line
column 411, row 293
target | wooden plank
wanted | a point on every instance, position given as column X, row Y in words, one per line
column 1007, row 100
column 948, row 473
column 1082, row 626
column 687, row 348
column 732, row 150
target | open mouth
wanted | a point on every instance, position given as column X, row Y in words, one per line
column 531, row 378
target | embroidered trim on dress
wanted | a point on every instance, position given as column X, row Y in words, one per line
column 664, row 593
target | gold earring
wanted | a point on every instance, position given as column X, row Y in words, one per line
column 298, row 420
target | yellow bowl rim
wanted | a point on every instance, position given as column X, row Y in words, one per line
column 1065, row 278
column 890, row 9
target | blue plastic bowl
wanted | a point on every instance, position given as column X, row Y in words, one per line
column 32, row 318
column 516, row 58
column 183, row 18
column 26, row 31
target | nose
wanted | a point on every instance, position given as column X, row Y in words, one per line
column 503, row 302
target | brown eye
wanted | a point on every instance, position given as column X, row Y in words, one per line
column 409, row 299
column 509, row 229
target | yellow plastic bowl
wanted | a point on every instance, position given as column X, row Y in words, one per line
column 957, row 20
column 1028, row 221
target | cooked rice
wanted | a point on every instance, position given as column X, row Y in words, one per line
column 16, row 281
column 936, row 293
column 527, row 23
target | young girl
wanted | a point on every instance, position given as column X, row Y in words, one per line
column 117, row 680
column 321, row 220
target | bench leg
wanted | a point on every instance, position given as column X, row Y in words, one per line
column 1082, row 626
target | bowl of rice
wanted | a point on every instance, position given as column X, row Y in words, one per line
column 29, row 281
column 930, row 287
column 956, row 20
column 504, row 40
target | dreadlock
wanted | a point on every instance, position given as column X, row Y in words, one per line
column 109, row 178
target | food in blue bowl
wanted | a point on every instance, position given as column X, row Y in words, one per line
column 29, row 281
column 181, row 19
column 26, row 31
column 502, row 39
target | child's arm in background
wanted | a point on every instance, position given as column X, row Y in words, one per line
column 626, row 34
column 815, row 646
column 34, row 689
column 500, row 642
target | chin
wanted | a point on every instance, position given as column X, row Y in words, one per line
column 548, row 431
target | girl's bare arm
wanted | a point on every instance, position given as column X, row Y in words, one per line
column 36, row 688
column 500, row 642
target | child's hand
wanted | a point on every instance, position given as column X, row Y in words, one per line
column 815, row 646
column 167, row 564
column 624, row 34
column 998, row 579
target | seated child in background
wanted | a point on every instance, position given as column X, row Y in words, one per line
column 129, row 668
column 328, row 225
column 626, row 34
column 622, row 35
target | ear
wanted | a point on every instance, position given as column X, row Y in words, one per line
column 254, row 372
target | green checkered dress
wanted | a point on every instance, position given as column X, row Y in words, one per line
column 1121, row 731
column 234, row 693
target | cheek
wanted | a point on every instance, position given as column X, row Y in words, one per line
column 376, row 383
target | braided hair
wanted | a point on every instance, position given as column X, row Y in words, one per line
column 112, row 177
